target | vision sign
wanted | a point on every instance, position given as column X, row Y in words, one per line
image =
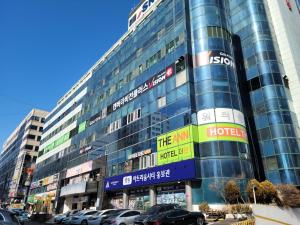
column 213, row 57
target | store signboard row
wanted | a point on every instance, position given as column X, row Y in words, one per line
column 80, row 169
column 41, row 197
column 180, row 171
column 45, row 181
column 71, row 189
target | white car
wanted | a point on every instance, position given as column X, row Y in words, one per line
column 66, row 218
column 125, row 217
column 81, row 218
column 101, row 215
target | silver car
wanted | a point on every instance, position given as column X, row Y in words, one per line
column 125, row 217
column 101, row 216
column 82, row 217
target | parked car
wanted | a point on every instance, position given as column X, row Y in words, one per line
column 154, row 210
column 81, row 218
column 101, row 215
column 8, row 218
column 60, row 217
column 178, row 217
column 124, row 217
column 21, row 215
column 66, row 219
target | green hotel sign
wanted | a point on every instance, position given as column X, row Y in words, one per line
column 175, row 146
column 178, row 145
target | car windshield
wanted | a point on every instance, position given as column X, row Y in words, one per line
column 153, row 210
column 78, row 214
column 116, row 213
column 75, row 212
column 99, row 213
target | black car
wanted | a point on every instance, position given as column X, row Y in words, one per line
column 8, row 218
column 178, row 217
column 154, row 210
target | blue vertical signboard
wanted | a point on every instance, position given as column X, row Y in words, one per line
column 184, row 170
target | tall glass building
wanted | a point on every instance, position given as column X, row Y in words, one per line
column 191, row 96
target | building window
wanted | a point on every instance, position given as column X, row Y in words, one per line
column 116, row 71
column 181, row 78
column 271, row 163
column 28, row 147
column 31, row 137
column 135, row 164
column 114, row 126
column 161, row 102
column 135, row 115
column 33, row 127
column 147, row 161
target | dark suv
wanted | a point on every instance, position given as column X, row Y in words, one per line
column 154, row 210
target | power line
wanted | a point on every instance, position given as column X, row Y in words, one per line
column 20, row 101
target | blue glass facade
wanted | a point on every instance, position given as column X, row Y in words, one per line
column 274, row 122
column 182, row 66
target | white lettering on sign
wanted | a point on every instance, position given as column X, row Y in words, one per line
column 127, row 180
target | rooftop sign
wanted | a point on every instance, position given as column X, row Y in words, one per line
column 137, row 15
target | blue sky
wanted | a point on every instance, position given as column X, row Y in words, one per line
column 47, row 45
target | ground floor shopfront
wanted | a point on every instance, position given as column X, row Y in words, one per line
column 79, row 202
column 82, row 187
column 144, row 198
column 42, row 203
column 142, row 189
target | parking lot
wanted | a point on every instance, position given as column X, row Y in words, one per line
column 224, row 222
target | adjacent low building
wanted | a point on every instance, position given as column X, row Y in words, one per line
column 18, row 157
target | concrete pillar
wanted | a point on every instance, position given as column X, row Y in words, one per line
column 152, row 194
column 188, row 195
column 125, row 199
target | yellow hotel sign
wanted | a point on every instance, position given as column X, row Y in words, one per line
column 175, row 146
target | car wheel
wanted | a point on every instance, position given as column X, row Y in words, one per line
column 84, row 222
column 200, row 221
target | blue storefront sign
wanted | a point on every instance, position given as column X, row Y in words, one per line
column 184, row 170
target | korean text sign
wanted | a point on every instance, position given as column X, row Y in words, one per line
column 184, row 170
